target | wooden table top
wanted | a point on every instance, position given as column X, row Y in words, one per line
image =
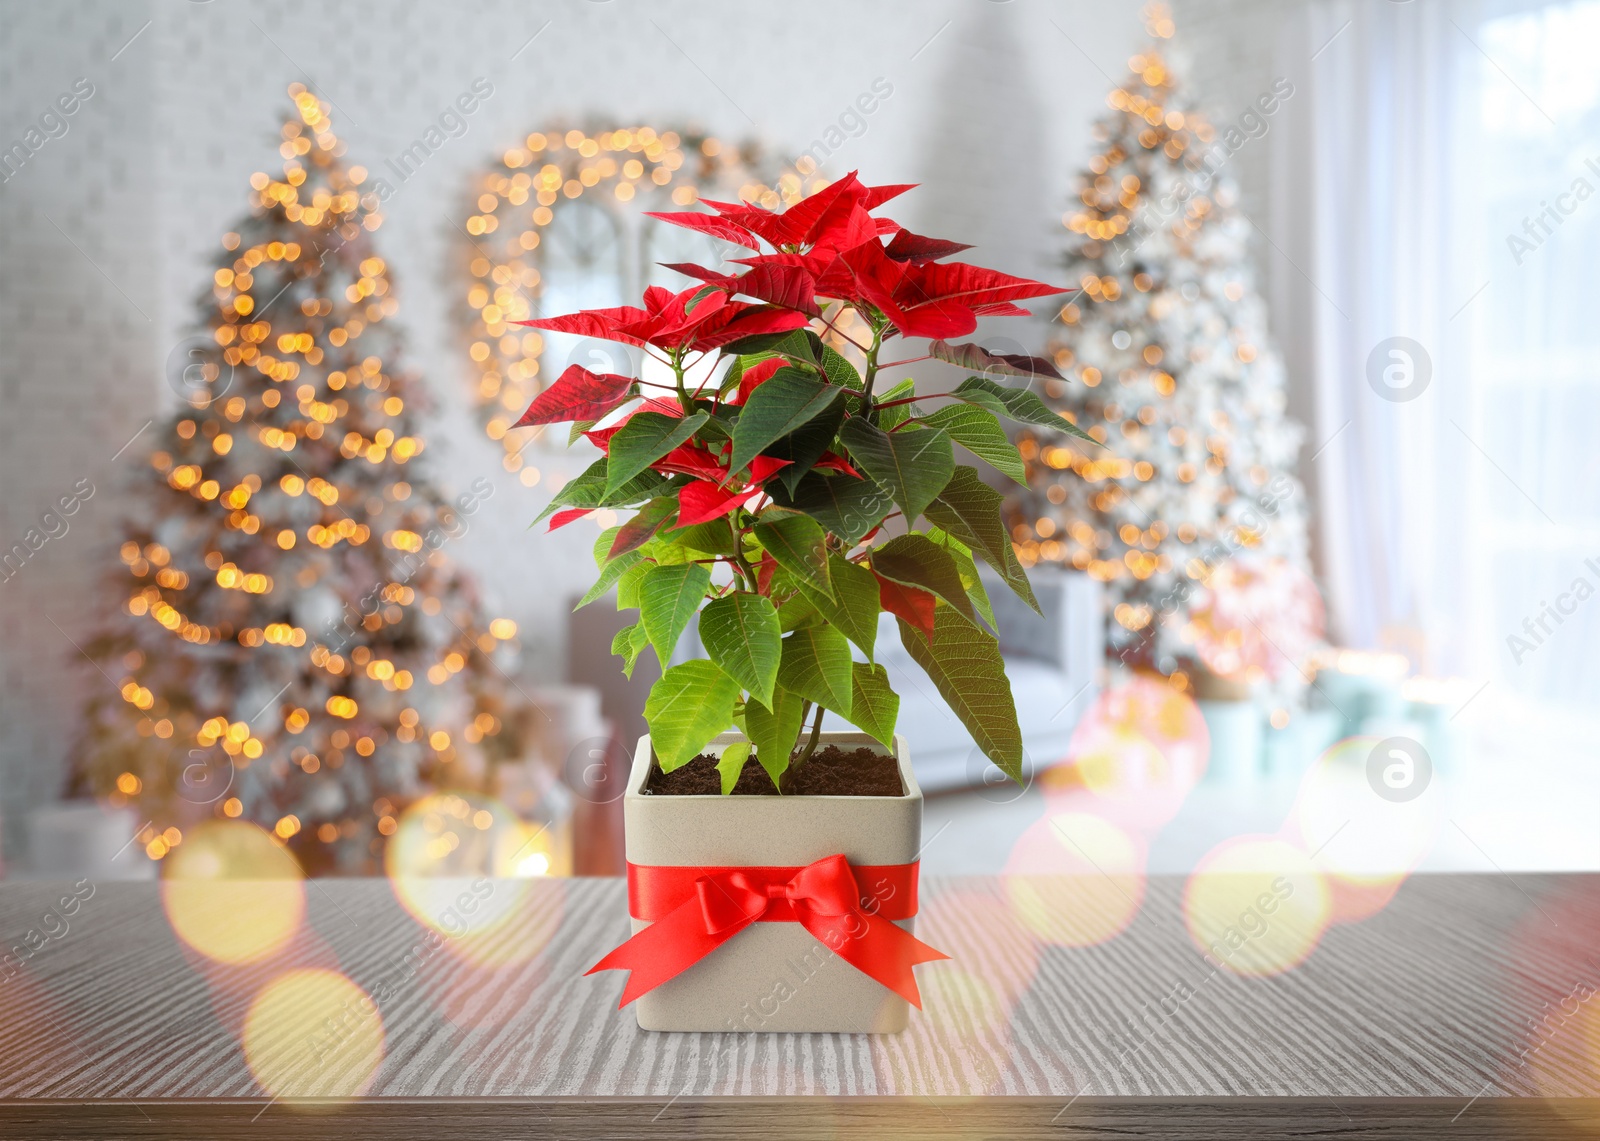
column 1464, row 1008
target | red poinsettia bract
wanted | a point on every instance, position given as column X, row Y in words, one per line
column 828, row 247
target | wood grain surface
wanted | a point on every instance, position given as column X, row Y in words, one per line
column 1465, row 1008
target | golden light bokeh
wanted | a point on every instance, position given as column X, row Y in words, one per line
column 1075, row 879
column 1555, row 1026
column 1256, row 905
column 1563, row 1041
column 463, row 866
column 1365, row 843
column 233, row 893
column 1135, row 756
column 313, row 1034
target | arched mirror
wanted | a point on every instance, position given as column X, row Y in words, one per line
column 582, row 266
column 560, row 225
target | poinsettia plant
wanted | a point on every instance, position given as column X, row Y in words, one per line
column 785, row 498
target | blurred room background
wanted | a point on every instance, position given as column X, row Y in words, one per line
column 1397, row 214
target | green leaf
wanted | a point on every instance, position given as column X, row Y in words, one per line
column 913, row 465
column 740, row 632
column 977, row 430
column 803, row 448
column 784, row 403
column 628, row 584
column 798, row 543
column 915, row 560
column 737, row 368
column 667, row 553
column 699, row 295
column 601, row 551
column 845, row 505
column 873, row 706
column 970, row 580
column 579, row 427
column 733, row 373
column 713, row 538
column 799, row 609
column 645, row 485
column 978, row 593
column 840, row 371
column 1016, row 403
column 891, row 418
column 965, row 666
column 796, row 344
column 588, row 489
column 688, row 705
column 668, row 598
column 610, row 571
column 639, row 530
column 731, row 764
column 816, row 665
column 627, row 644
column 970, row 510
column 854, row 606
column 644, row 439
column 583, row 490
column 720, row 424
column 775, row 730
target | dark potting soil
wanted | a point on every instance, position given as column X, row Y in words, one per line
column 831, row 771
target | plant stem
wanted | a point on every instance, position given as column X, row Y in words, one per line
column 872, row 369
column 683, row 393
column 913, row 399
column 811, row 744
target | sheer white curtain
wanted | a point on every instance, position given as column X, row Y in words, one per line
column 1368, row 175
column 1434, row 202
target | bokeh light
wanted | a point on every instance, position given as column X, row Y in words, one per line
column 232, row 892
column 1563, row 1054
column 1364, row 842
column 1256, row 905
column 466, row 867
column 1547, row 978
column 1135, row 756
column 313, row 1034
column 1075, row 879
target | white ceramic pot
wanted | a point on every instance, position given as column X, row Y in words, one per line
column 772, row 977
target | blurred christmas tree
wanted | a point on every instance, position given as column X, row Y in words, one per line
column 295, row 648
column 1169, row 339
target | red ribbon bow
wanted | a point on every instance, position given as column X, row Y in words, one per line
column 693, row 911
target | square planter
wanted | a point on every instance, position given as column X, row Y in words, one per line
column 772, row 977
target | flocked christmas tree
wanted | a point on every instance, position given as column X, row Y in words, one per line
column 293, row 646
column 1189, row 514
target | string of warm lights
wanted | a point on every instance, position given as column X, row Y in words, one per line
column 296, row 649
column 522, row 195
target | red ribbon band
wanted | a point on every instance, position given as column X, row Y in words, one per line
column 692, row 911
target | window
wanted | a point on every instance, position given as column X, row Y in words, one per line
column 1532, row 157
